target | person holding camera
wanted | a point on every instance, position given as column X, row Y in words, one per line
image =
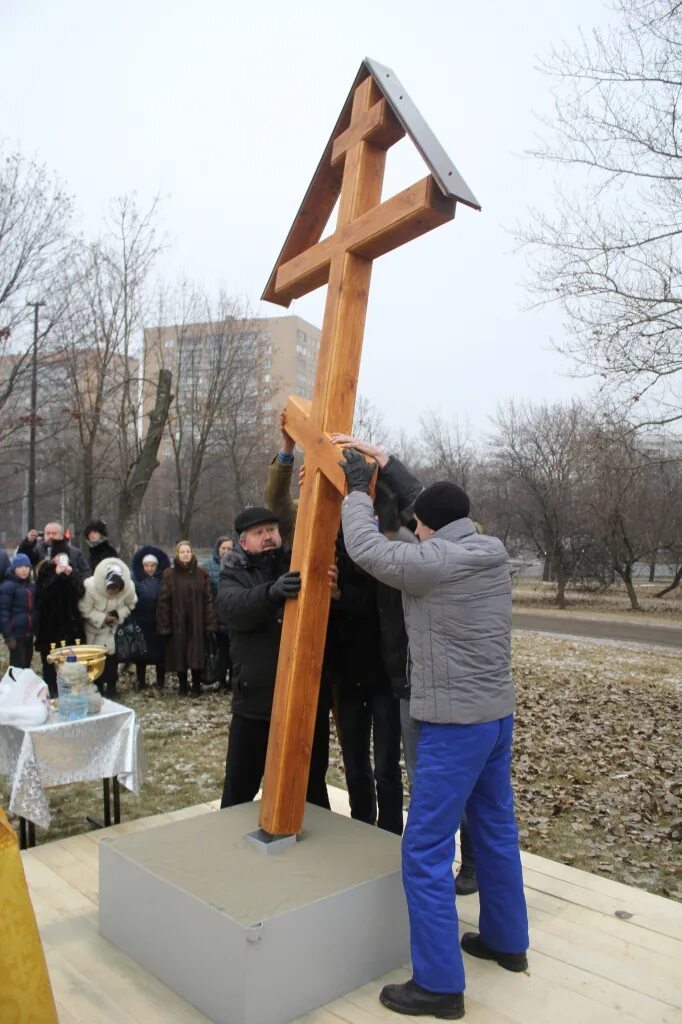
column 59, row 588
column 39, row 546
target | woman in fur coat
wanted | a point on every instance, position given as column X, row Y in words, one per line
column 108, row 601
column 185, row 615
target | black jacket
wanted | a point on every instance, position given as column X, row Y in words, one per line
column 100, row 550
column 38, row 550
column 394, row 647
column 57, row 598
column 356, row 628
column 254, row 623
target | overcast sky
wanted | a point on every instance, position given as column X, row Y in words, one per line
column 224, row 108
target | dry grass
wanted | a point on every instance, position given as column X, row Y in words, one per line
column 596, row 768
column 612, row 603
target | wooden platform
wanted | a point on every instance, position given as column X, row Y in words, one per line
column 588, row 965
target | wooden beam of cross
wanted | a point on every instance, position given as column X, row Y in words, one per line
column 377, row 114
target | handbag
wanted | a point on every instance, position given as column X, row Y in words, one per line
column 211, row 659
column 129, row 642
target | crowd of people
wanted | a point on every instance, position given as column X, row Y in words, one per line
column 52, row 593
column 417, row 656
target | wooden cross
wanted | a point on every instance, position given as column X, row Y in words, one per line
column 377, row 114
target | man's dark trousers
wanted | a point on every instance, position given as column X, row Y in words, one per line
column 21, row 655
column 363, row 710
column 460, row 765
column 245, row 763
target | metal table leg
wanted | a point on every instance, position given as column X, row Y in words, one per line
column 117, row 801
column 107, row 802
column 27, row 834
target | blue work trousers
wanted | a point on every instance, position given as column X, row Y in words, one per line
column 460, row 765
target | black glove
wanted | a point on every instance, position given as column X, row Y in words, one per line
column 288, row 585
column 358, row 470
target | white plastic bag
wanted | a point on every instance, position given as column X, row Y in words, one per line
column 23, row 698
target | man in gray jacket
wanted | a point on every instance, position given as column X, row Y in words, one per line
column 456, row 592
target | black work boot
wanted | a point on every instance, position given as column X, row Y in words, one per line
column 466, row 883
column 473, row 944
column 412, row 999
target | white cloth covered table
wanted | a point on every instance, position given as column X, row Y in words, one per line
column 97, row 747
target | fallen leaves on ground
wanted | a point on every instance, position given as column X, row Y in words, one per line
column 596, row 761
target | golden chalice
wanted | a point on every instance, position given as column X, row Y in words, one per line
column 91, row 655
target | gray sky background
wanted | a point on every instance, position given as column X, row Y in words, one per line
column 224, row 108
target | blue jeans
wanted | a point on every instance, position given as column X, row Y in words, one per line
column 460, row 765
column 360, row 712
column 409, row 728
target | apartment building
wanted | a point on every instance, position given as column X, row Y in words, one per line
column 279, row 353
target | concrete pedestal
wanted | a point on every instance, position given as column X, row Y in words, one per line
column 254, row 938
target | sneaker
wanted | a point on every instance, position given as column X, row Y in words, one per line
column 466, row 883
column 473, row 944
column 412, row 999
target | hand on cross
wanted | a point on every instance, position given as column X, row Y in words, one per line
column 288, row 443
column 333, row 573
column 358, row 470
column 374, row 452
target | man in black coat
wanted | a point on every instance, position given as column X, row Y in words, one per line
column 59, row 587
column 255, row 581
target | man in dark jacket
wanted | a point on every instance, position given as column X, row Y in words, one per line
column 95, row 534
column 365, row 708
column 59, row 588
column 53, row 540
column 456, row 592
column 255, row 581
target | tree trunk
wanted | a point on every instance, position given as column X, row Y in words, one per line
column 677, row 579
column 652, row 571
column 547, row 569
column 561, row 591
column 88, row 484
column 626, row 576
column 142, row 465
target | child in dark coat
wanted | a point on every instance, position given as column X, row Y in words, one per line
column 17, row 611
column 148, row 566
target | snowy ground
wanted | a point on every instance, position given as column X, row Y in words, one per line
column 597, row 765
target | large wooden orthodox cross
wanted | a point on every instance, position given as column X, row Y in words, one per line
column 377, row 113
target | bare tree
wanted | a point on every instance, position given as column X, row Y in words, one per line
column 35, row 240
column 369, row 423
column 216, row 416
column 139, row 463
column 610, row 254
column 449, row 448
column 622, row 502
column 98, row 351
column 542, row 452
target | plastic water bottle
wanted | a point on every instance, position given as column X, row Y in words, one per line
column 72, row 685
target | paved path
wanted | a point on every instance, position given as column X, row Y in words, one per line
column 605, row 629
